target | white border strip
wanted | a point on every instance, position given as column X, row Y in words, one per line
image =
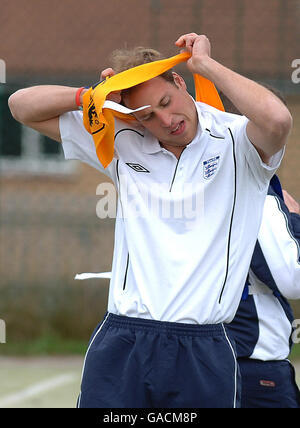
column 235, row 369
column 92, row 341
column 88, row 275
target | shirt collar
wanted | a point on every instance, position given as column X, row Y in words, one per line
column 150, row 143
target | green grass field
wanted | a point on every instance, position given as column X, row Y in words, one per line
column 40, row 382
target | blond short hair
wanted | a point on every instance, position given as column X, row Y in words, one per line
column 123, row 59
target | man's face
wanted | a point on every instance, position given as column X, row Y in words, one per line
column 172, row 117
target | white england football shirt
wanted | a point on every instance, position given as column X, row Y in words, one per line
column 185, row 228
column 282, row 253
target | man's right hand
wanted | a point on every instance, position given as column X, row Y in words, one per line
column 200, row 48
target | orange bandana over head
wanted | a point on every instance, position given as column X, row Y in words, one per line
column 99, row 121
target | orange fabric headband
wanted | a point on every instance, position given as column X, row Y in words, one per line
column 99, row 121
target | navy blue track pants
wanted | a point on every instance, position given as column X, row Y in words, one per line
column 268, row 384
column 138, row 363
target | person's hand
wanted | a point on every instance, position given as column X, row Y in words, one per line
column 108, row 72
column 198, row 46
column 113, row 96
column 290, row 202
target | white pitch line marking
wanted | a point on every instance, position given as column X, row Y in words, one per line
column 38, row 388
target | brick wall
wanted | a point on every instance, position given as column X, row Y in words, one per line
column 68, row 36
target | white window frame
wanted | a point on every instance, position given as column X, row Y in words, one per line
column 33, row 161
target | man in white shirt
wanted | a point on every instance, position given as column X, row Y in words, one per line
column 263, row 325
column 176, row 278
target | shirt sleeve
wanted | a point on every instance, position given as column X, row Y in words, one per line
column 245, row 149
column 279, row 241
column 77, row 143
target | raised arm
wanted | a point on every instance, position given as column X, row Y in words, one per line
column 39, row 107
column 269, row 120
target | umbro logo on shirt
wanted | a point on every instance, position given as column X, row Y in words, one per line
column 137, row 167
